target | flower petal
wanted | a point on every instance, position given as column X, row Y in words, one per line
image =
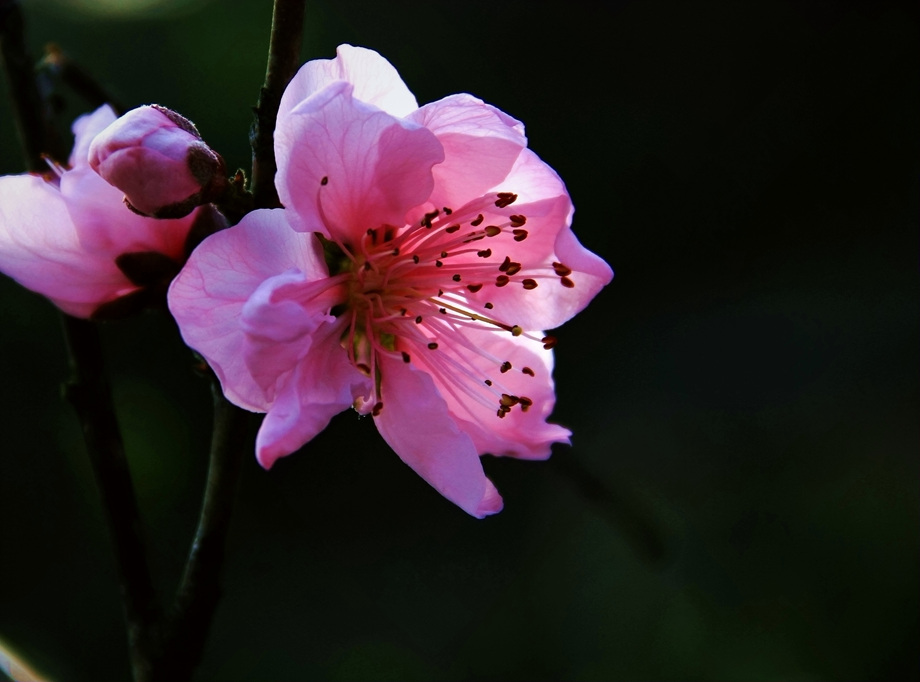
column 414, row 421
column 208, row 295
column 320, row 386
column 375, row 81
column 278, row 330
column 345, row 167
column 543, row 200
column 480, row 144
column 40, row 249
column 85, row 129
column 468, row 357
column 105, row 224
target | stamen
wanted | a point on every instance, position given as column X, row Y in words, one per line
column 505, row 199
column 561, row 270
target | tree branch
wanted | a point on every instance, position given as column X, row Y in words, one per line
column 89, row 393
column 283, row 60
column 88, row 389
column 199, row 591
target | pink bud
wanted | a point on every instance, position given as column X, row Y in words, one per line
column 158, row 159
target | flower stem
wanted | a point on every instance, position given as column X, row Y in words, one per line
column 88, row 389
column 28, row 114
column 283, row 60
column 196, row 598
column 199, row 590
column 89, row 392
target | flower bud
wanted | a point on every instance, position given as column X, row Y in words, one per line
column 158, row 159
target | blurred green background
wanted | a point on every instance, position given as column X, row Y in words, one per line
column 741, row 499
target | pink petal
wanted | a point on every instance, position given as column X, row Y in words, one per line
column 474, row 405
column 375, row 81
column 414, row 421
column 542, row 198
column 345, row 167
column 320, row 386
column 480, row 144
column 208, row 296
column 105, row 224
column 40, row 249
column 85, row 129
column 278, row 330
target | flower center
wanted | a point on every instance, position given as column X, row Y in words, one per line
column 413, row 291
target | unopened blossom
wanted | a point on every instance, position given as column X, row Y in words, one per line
column 66, row 234
column 430, row 249
column 158, row 159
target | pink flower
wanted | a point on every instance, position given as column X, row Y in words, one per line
column 158, row 159
column 444, row 249
column 68, row 236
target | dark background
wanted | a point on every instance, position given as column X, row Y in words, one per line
column 740, row 502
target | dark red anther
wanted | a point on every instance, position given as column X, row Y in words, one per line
column 456, row 278
column 548, row 342
column 529, row 372
column 502, row 280
column 452, row 229
column 415, row 258
column 474, row 287
column 513, row 269
column 325, row 180
column 517, row 220
column 529, row 284
column 505, row 264
column 505, row 199
column 488, row 306
column 519, row 235
column 562, row 270
column 477, row 221
column 405, row 356
column 505, row 366
column 432, row 346
column 567, row 283
column 438, row 264
column 485, row 253
column 418, row 319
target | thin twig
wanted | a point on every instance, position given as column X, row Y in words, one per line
column 283, row 60
column 88, row 389
column 77, row 78
column 199, row 590
column 89, row 393
column 20, row 73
